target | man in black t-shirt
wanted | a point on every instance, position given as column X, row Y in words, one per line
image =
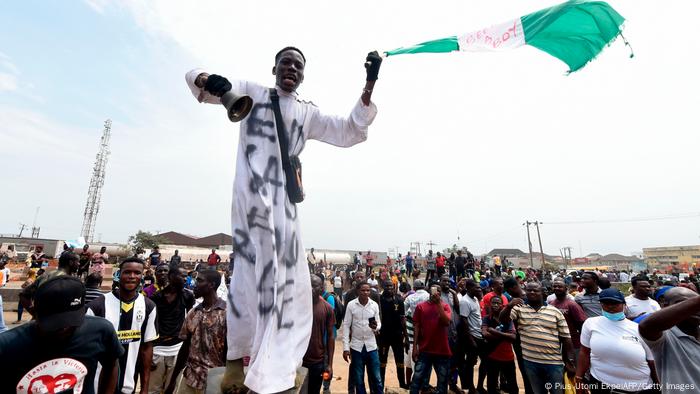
column 393, row 331
column 172, row 304
column 154, row 257
column 59, row 351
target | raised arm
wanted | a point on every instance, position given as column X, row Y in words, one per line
column 345, row 132
column 653, row 326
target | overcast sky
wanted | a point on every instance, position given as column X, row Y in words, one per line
column 466, row 145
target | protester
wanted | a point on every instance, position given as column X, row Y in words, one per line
column 92, row 287
column 362, row 321
column 431, row 267
column 172, row 304
column 99, row 259
column 203, row 337
column 85, row 257
column 410, row 303
column 133, row 317
column 393, row 332
column 31, row 277
column 338, row 284
column 440, row 264
column 176, row 260
column 319, row 355
column 155, row 257
column 500, row 360
column 472, row 337
column 640, row 303
column 589, row 298
column 611, row 347
column 4, row 278
column 545, row 340
column 409, row 264
column 460, row 264
column 162, row 275
column 572, row 312
column 213, row 259
column 68, row 264
column 38, row 258
column 59, row 351
column 449, row 296
column 431, row 349
column 496, row 291
column 673, row 335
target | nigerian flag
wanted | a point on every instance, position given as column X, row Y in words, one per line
column 574, row 32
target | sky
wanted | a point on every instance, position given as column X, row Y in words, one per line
column 466, row 146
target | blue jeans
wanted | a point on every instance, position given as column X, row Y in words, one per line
column 545, row 378
column 421, row 372
column 359, row 360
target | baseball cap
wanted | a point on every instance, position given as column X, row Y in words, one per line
column 612, row 295
column 59, row 303
column 418, row 284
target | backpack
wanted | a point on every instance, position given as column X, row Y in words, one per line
column 338, row 309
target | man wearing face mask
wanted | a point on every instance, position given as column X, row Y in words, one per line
column 270, row 290
column 614, row 351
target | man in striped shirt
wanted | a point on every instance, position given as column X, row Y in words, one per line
column 410, row 304
column 543, row 333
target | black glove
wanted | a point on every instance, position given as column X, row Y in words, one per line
column 217, row 85
column 374, row 61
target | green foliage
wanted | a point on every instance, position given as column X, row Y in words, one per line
column 143, row 240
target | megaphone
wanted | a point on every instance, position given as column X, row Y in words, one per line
column 236, row 106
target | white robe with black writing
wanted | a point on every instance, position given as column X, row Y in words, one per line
column 269, row 311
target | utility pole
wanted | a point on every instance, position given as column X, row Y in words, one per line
column 529, row 244
column 537, row 225
column 22, row 226
column 92, row 207
column 566, row 255
column 431, row 244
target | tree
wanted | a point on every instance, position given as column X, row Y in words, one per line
column 143, row 240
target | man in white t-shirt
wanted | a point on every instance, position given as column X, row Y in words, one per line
column 338, row 284
column 640, row 302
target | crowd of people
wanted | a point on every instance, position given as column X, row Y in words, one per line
column 163, row 332
column 563, row 329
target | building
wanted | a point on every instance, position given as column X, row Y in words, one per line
column 214, row 241
column 673, row 258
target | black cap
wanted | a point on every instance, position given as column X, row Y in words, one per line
column 59, row 303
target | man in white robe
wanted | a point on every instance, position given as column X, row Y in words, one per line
column 269, row 303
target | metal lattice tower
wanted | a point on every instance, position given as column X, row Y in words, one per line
column 95, row 190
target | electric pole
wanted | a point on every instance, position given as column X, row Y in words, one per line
column 92, row 207
column 529, row 244
column 431, row 244
column 22, row 226
column 537, row 226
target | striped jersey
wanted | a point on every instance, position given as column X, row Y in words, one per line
column 134, row 322
column 540, row 331
column 410, row 304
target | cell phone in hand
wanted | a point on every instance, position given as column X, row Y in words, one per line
column 372, row 320
column 433, row 290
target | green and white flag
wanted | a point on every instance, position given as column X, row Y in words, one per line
column 574, row 32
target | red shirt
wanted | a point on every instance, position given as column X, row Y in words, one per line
column 433, row 334
column 213, row 259
column 573, row 313
column 502, row 350
column 440, row 261
column 486, row 303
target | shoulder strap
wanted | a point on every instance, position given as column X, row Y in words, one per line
column 281, row 130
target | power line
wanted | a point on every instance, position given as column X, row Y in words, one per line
column 630, row 220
